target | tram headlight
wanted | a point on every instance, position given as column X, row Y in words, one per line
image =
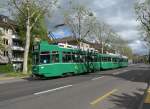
column 41, row 67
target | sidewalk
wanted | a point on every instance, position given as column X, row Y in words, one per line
column 5, row 79
column 146, row 104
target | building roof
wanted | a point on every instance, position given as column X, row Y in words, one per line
column 7, row 23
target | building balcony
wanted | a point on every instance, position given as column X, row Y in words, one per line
column 17, row 59
column 17, row 48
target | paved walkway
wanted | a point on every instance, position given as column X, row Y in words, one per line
column 6, row 79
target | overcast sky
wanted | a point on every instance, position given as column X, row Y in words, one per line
column 120, row 15
column 117, row 13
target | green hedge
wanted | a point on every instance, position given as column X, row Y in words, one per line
column 6, row 68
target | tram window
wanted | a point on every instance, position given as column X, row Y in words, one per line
column 44, row 57
column 82, row 58
column 95, row 58
column 67, row 57
column 109, row 59
column 88, row 58
column 36, row 59
column 75, row 57
column 115, row 60
column 99, row 59
column 104, row 59
column 91, row 58
column 55, row 56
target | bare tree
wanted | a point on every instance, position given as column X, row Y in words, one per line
column 45, row 8
column 108, row 39
column 142, row 10
column 79, row 19
column 103, row 33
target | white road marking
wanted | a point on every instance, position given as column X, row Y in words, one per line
column 97, row 78
column 52, row 90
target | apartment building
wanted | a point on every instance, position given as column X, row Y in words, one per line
column 13, row 49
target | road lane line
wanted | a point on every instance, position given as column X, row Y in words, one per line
column 52, row 90
column 97, row 78
column 103, row 97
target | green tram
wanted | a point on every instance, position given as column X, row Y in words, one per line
column 51, row 60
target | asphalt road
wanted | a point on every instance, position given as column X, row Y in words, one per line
column 113, row 89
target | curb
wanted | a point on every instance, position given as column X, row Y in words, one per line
column 11, row 78
column 6, row 78
column 144, row 97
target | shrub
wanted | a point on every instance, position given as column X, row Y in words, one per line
column 6, row 68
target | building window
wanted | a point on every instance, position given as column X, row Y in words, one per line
column 5, row 41
column 5, row 53
column 4, row 19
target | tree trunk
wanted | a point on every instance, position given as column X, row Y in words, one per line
column 27, row 45
column 102, row 49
